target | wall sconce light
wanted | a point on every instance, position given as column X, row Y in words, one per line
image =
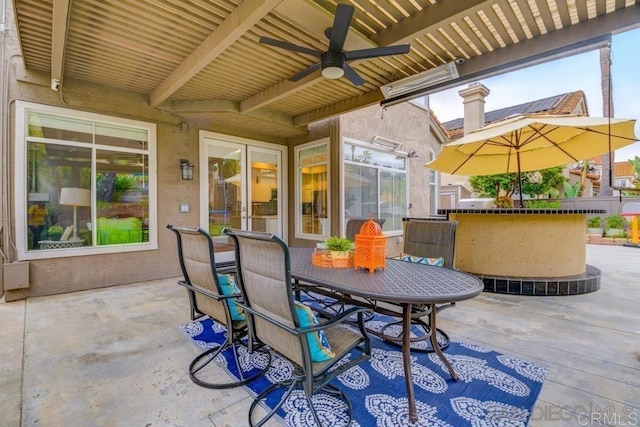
column 412, row 154
column 186, row 169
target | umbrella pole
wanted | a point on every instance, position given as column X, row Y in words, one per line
column 520, row 181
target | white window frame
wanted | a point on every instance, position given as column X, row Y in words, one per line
column 434, row 194
column 20, row 195
column 326, row 231
column 373, row 147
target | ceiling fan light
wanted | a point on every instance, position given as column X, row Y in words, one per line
column 332, row 64
column 332, row 72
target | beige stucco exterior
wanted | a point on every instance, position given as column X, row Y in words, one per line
column 178, row 137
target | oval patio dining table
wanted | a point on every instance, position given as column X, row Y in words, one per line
column 401, row 283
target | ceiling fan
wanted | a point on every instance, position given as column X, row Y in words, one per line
column 333, row 62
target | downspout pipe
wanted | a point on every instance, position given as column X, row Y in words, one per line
column 3, row 23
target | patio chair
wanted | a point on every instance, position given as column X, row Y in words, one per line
column 427, row 240
column 264, row 276
column 212, row 294
column 354, row 225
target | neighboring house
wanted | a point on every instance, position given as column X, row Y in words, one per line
column 623, row 174
column 475, row 117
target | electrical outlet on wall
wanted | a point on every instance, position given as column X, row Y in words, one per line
column 184, row 207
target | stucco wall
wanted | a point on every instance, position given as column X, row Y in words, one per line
column 406, row 123
column 177, row 137
column 58, row 275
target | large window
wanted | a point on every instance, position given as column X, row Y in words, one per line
column 313, row 219
column 375, row 184
column 88, row 183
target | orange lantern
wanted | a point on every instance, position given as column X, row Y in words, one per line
column 371, row 247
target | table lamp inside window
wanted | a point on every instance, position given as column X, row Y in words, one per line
column 75, row 197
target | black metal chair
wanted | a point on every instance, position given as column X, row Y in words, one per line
column 428, row 238
column 354, row 225
column 264, row 276
column 209, row 297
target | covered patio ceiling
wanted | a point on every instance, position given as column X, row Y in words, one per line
column 201, row 59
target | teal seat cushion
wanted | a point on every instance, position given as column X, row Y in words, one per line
column 319, row 346
column 438, row 262
column 228, row 287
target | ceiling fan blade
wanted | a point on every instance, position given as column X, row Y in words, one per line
column 290, row 46
column 340, row 28
column 304, row 73
column 353, row 76
column 377, row 51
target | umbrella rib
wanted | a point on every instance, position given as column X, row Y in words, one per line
column 544, row 136
column 469, row 157
column 609, row 134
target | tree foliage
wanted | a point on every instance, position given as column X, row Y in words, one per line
column 535, row 184
column 636, row 171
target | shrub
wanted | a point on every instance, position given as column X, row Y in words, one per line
column 594, row 222
column 614, row 221
column 542, row 204
column 335, row 243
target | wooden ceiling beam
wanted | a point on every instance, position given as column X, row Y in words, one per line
column 59, row 26
column 184, row 108
column 404, row 31
column 573, row 40
column 338, row 108
column 235, row 26
column 310, row 16
column 428, row 20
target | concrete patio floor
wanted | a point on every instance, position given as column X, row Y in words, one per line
column 114, row 357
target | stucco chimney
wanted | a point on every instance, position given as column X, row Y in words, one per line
column 473, row 100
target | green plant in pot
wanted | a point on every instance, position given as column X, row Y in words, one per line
column 594, row 225
column 614, row 226
column 339, row 246
column 55, row 232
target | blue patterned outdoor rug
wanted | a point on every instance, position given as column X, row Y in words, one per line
column 493, row 390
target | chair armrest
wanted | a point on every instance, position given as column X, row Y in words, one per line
column 251, row 311
column 335, row 320
column 308, row 329
column 206, row 293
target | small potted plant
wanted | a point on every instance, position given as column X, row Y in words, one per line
column 614, row 226
column 339, row 246
column 594, row 225
column 55, row 232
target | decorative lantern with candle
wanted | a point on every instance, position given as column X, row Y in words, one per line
column 371, row 247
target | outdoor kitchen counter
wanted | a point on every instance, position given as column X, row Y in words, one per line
column 521, row 242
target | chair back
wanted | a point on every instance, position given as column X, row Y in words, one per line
column 196, row 256
column 432, row 239
column 354, row 225
column 264, row 276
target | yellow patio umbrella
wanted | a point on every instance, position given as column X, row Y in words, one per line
column 532, row 142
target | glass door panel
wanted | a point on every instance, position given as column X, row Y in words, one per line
column 241, row 191
column 264, row 184
column 226, row 182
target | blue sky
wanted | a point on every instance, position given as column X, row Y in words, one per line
column 580, row 72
